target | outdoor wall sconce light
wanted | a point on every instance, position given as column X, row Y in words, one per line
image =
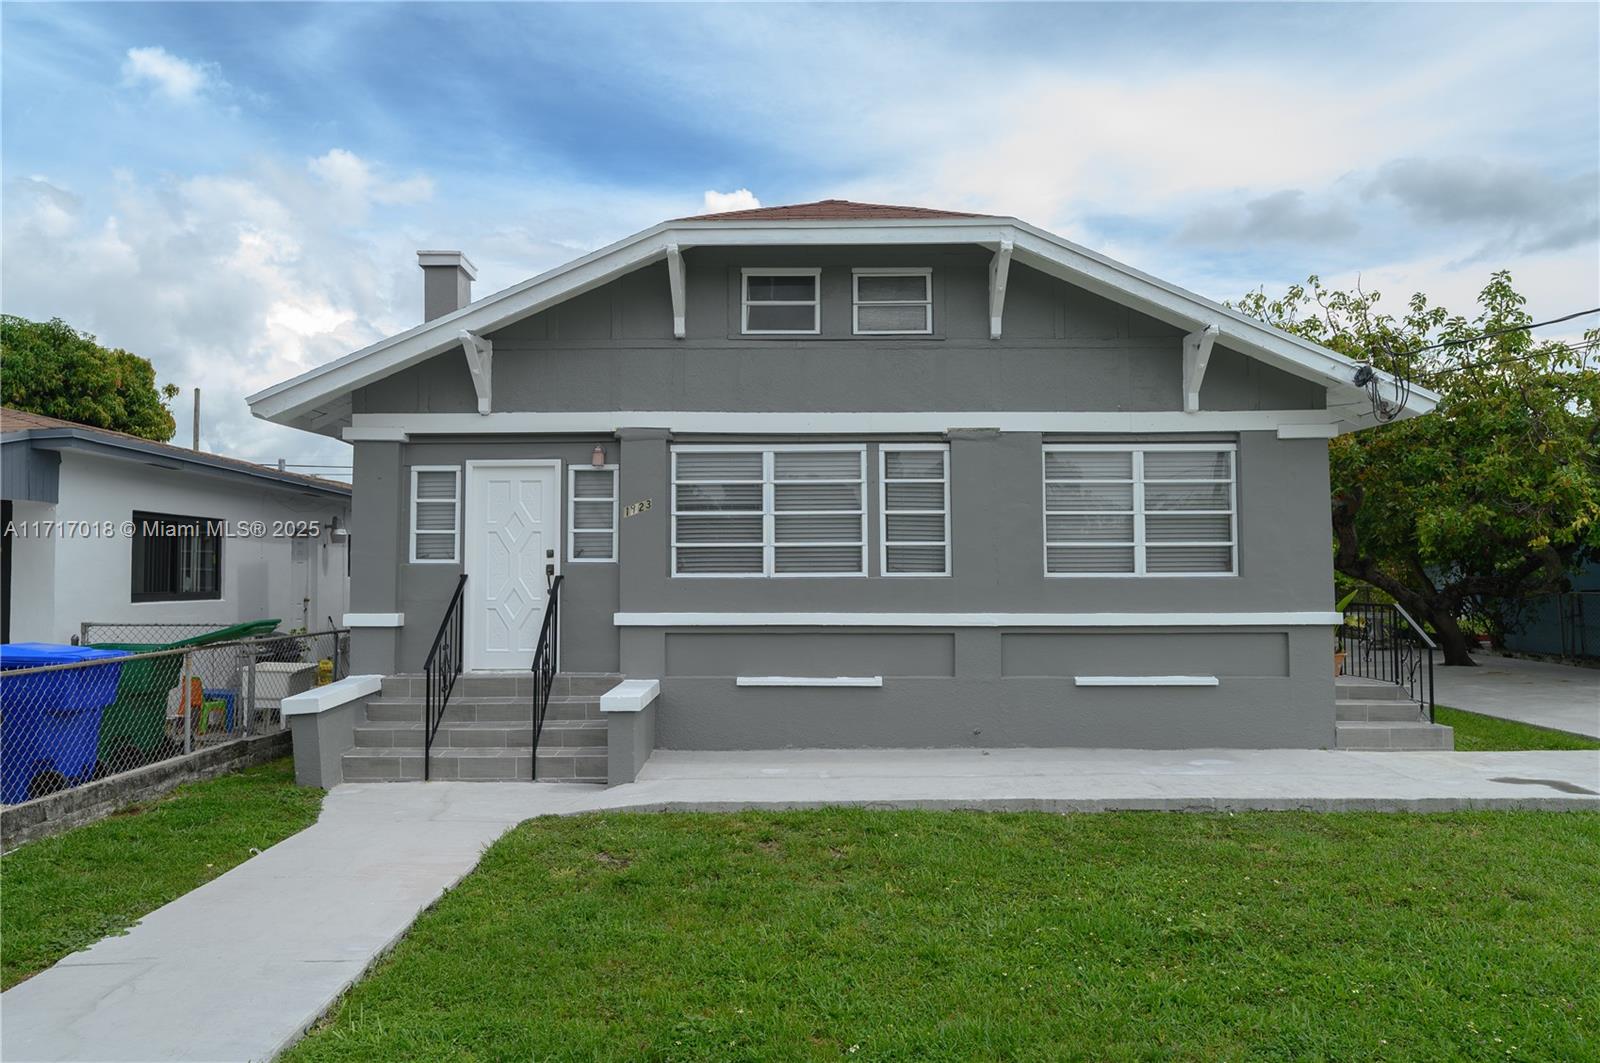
column 338, row 535
column 598, row 458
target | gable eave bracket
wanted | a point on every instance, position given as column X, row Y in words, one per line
column 999, row 270
column 480, row 363
column 675, row 282
column 1196, row 356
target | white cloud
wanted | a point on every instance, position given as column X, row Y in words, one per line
column 173, row 77
column 738, row 199
column 356, row 185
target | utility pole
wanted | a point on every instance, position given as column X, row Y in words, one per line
column 196, row 419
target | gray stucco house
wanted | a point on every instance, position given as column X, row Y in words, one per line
column 836, row 475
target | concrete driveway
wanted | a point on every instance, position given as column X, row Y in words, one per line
column 1559, row 696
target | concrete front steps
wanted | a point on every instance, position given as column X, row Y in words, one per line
column 1374, row 715
column 486, row 732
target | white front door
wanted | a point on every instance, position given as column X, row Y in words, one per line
column 512, row 531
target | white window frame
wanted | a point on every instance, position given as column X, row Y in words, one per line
column 572, row 514
column 455, row 548
column 925, row 272
column 769, row 512
column 1138, row 450
column 884, row 450
column 814, row 272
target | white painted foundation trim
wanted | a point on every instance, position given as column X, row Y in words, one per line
column 835, row 423
column 976, row 619
column 1308, row 431
column 374, row 620
column 808, row 681
column 1144, row 680
column 341, row 692
column 630, row 695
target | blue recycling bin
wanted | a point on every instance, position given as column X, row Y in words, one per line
column 50, row 721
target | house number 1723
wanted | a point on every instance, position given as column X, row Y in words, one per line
column 633, row 509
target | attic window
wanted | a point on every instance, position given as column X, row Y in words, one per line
column 781, row 302
column 893, row 302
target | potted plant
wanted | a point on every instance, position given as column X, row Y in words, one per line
column 1339, row 653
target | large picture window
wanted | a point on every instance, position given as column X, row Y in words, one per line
column 769, row 511
column 176, row 559
column 1152, row 510
column 781, row 302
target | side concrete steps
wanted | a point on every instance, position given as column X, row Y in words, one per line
column 486, row 732
column 1374, row 715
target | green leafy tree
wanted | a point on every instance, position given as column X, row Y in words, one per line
column 50, row 368
column 1493, row 497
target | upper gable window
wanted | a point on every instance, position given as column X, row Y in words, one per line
column 781, row 302
column 893, row 302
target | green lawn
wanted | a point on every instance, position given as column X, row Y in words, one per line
column 956, row 936
column 60, row 894
column 1476, row 732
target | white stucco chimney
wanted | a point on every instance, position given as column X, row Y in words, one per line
column 447, row 278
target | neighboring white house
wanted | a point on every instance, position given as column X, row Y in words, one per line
column 106, row 527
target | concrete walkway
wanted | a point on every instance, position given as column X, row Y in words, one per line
column 242, row 966
column 1561, row 696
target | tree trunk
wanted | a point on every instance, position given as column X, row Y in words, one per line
column 1452, row 640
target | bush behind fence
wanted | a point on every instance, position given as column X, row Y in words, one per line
column 66, row 725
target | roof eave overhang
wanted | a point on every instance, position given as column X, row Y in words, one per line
column 319, row 400
column 90, row 442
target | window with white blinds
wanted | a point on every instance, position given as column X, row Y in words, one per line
column 892, row 302
column 769, row 511
column 591, row 513
column 1157, row 510
column 435, row 514
column 914, row 493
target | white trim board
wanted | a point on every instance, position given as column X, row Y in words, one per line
column 731, row 619
column 301, row 400
column 1144, row 680
column 374, row 620
column 808, row 681
column 391, row 426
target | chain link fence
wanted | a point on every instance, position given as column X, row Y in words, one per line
column 91, row 632
column 62, row 725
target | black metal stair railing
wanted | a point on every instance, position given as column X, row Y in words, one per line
column 440, row 671
column 545, row 658
column 1382, row 641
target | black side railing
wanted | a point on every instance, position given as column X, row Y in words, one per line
column 440, row 671
column 545, row 658
column 1381, row 641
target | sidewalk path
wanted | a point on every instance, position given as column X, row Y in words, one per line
column 1561, row 696
column 241, row 967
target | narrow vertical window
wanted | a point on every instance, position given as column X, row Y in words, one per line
column 914, row 493
column 435, row 514
column 592, row 513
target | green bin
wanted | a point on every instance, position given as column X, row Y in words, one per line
column 133, row 728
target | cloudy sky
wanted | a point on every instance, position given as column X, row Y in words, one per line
column 236, row 191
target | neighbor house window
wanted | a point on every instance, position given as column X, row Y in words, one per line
column 769, row 511
column 779, row 302
column 914, row 492
column 435, row 514
column 592, row 513
column 1156, row 510
column 175, row 558
column 893, row 302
